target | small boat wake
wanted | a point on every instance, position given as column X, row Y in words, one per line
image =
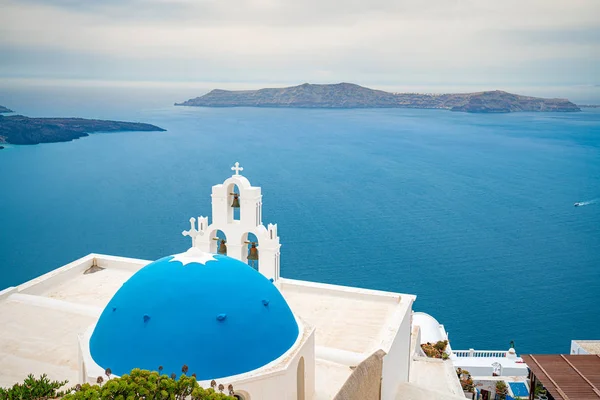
column 585, row 203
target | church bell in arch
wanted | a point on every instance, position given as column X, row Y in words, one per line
column 222, row 246
column 253, row 254
column 236, row 200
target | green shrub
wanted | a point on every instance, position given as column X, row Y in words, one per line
column 138, row 385
column 539, row 389
column 33, row 388
column 441, row 345
column 142, row 384
column 501, row 390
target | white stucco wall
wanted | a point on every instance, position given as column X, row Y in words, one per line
column 488, row 370
column 576, row 348
column 585, row 346
column 281, row 385
column 396, row 363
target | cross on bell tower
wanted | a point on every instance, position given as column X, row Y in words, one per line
column 236, row 167
column 237, row 230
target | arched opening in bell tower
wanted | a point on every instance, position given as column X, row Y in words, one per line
column 252, row 253
column 233, row 203
column 218, row 242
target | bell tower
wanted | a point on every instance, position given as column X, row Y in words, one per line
column 225, row 199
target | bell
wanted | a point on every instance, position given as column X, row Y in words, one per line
column 222, row 248
column 253, row 255
column 236, row 201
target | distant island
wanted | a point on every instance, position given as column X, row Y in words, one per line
column 348, row 95
column 18, row 129
column 5, row 110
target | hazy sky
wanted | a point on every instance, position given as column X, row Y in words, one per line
column 376, row 42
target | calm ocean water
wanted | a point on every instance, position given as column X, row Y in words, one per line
column 472, row 213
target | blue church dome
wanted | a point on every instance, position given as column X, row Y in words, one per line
column 213, row 313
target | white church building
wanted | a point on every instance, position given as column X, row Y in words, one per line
column 209, row 309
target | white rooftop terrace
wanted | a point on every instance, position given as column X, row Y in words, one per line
column 585, row 347
column 485, row 362
column 351, row 320
column 40, row 320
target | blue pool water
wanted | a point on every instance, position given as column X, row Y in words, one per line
column 472, row 213
column 519, row 389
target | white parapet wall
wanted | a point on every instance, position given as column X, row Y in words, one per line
column 489, row 362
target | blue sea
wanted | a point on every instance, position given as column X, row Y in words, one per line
column 472, row 213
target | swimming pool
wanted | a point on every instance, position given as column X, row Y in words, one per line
column 519, row 389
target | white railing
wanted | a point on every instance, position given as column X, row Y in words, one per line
column 479, row 353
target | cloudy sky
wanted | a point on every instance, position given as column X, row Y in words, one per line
column 372, row 42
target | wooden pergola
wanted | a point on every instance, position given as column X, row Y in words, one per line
column 565, row 377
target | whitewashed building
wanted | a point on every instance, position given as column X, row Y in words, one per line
column 207, row 308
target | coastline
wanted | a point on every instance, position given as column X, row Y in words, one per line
column 22, row 130
column 351, row 96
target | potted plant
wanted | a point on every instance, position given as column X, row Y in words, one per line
column 466, row 381
column 501, row 390
column 436, row 350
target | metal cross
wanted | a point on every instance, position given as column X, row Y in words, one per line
column 237, row 168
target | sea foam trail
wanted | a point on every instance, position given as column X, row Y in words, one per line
column 587, row 203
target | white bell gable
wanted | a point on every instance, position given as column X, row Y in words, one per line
column 237, row 230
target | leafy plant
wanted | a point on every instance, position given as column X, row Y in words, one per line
column 138, row 385
column 33, row 388
column 539, row 389
column 143, row 384
column 501, row 390
column 441, row 345
column 436, row 350
column 465, row 379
